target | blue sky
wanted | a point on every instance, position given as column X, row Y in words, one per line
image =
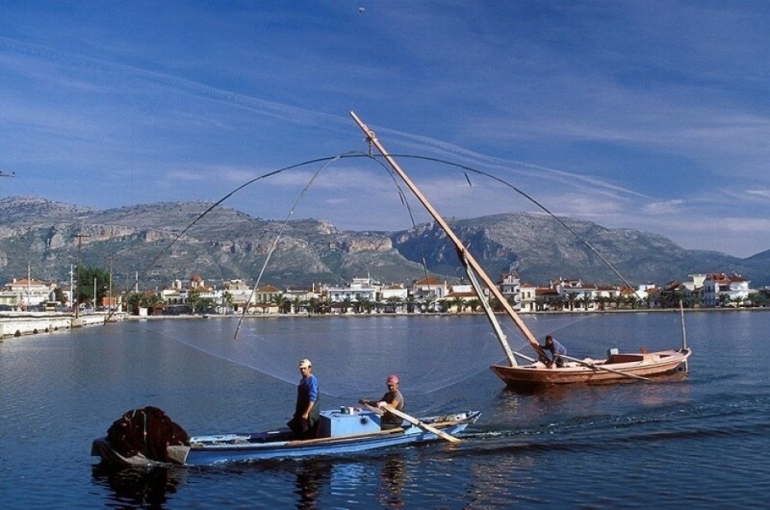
column 648, row 115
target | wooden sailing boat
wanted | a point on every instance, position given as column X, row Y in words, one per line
column 616, row 367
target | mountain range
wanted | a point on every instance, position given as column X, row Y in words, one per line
column 155, row 244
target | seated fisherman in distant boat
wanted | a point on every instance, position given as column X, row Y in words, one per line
column 556, row 349
column 306, row 412
column 393, row 398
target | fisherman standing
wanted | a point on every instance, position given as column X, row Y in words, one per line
column 304, row 423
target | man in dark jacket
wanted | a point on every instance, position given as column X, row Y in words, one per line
column 557, row 351
column 304, row 423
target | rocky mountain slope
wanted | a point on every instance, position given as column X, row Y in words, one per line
column 161, row 242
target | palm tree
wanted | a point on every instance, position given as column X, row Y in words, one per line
column 630, row 300
column 364, row 304
column 193, row 298
column 204, row 305
column 571, row 298
column 410, row 302
column 312, row 305
column 296, row 304
column 602, row 301
column 585, row 300
column 346, row 304
column 282, row 302
column 724, row 299
column 134, row 302
column 395, row 302
column 153, row 301
column 228, row 301
column 458, row 304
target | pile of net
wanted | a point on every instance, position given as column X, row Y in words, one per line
column 147, row 431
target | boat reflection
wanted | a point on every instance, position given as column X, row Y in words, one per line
column 312, row 476
column 312, row 483
column 392, row 481
column 142, row 487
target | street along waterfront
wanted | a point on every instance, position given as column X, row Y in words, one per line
column 699, row 441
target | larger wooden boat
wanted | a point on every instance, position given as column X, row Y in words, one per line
column 617, row 367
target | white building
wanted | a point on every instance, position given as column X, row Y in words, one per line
column 429, row 289
column 721, row 289
column 360, row 289
column 27, row 293
column 510, row 287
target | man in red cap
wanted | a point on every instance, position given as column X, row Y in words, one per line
column 393, row 398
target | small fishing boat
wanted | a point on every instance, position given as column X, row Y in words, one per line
column 343, row 431
column 616, row 367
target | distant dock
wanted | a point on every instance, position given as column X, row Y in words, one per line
column 16, row 324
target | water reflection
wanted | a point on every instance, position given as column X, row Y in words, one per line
column 392, row 480
column 146, row 487
column 312, row 476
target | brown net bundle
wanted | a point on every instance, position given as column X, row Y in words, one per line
column 148, row 431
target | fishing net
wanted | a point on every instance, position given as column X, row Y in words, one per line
column 148, row 431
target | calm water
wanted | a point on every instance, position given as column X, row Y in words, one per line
column 699, row 442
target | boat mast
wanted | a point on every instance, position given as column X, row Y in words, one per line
column 491, row 316
column 465, row 254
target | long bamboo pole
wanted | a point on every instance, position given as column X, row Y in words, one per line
column 437, row 217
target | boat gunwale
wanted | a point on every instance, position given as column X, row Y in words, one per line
column 530, row 375
column 471, row 417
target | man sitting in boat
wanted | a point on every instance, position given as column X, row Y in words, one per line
column 306, row 412
column 557, row 351
column 393, row 398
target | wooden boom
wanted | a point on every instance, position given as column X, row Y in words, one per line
column 469, row 259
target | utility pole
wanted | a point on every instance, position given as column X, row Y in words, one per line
column 72, row 284
column 29, row 290
column 77, row 292
column 110, row 291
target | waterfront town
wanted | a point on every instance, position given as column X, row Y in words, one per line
column 366, row 295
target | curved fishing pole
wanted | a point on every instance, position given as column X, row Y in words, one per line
column 404, row 201
column 354, row 154
column 220, row 201
column 525, row 195
column 278, row 237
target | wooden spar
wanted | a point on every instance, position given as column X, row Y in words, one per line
column 412, row 420
column 491, row 317
column 602, row 367
column 450, row 233
column 684, row 334
column 422, row 425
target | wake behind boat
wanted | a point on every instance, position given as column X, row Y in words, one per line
column 616, row 367
column 343, row 431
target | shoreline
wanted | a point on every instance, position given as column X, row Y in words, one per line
column 443, row 314
column 46, row 323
